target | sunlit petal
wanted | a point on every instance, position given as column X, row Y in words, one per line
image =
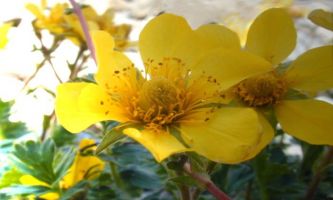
column 228, row 67
column 265, row 139
column 219, row 36
column 308, row 120
column 272, row 35
column 77, row 108
column 227, row 137
column 170, row 36
column 161, row 144
column 115, row 70
column 312, row 71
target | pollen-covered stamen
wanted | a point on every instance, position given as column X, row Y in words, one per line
column 159, row 102
column 263, row 90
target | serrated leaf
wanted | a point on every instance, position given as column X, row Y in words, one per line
column 75, row 190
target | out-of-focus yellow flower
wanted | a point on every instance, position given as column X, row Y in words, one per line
column 51, row 19
column 99, row 22
column 84, row 167
column 4, row 29
column 30, row 180
column 322, row 18
column 272, row 36
column 179, row 92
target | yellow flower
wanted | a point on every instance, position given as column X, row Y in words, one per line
column 84, row 167
column 272, row 36
column 178, row 92
column 30, row 180
column 4, row 29
column 99, row 22
column 51, row 20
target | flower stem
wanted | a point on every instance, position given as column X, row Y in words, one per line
column 319, row 174
column 206, row 182
column 85, row 28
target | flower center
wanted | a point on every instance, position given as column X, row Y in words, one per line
column 159, row 92
column 159, row 103
column 263, row 90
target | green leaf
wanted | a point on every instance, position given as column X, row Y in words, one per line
column 115, row 134
column 141, row 178
column 62, row 137
column 294, row 95
column 22, row 189
column 8, row 129
column 39, row 160
column 177, row 134
column 75, row 191
column 110, row 138
column 63, row 162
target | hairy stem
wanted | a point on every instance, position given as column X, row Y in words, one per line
column 319, row 174
column 206, row 182
column 85, row 28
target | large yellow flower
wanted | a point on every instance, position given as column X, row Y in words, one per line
column 177, row 94
column 272, row 36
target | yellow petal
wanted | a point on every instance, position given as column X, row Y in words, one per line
column 227, row 137
column 84, row 167
column 115, row 70
column 312, row 71
column 35, row 10
column 308, row 120
column 97, row 105
column 161, row 144
column 219, row 36
column 272, row 35
column 76, row 113
column 30, row 180
column 67, row 109
column 322, row 18
column 89, row 13
column 229, row 67
column 265, row 139
column 4, row 29
column 167, row 36
column 50, row 196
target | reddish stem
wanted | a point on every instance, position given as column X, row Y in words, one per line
column 319, row 174
column 209, row 185
column 85, row 28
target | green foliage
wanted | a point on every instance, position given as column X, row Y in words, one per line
column 8, row 129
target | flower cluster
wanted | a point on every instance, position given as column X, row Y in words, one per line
column 61, row 21
column 202, row 92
